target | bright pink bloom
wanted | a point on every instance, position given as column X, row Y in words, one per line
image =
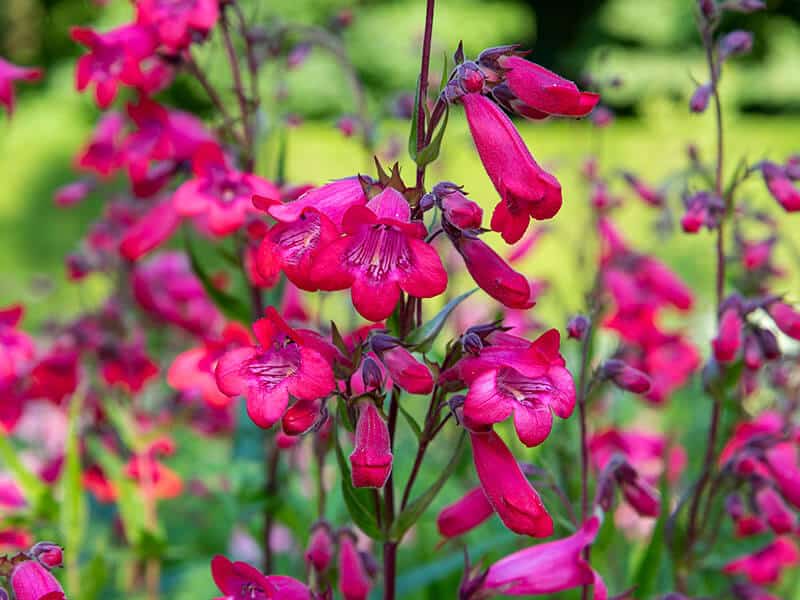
column 529, row 380
column 772, row 507
column 320, row 547
column 285, row 362
column 354, row 583
column 193, row 369
column 542, row 92
column 119, row 56
column 55, row 376
column 506, row 487
column 150, row 231
column 786, row 318
column 127, row 366
column 757, row 254
column 464, row 514
column 333, row 199
column 221, row 194
column 548, row 568
column 729, row 338
column 783, row 465
column 638, row 493
column 765, row 565
column 293, row 247
column 73, row 193
column 178, row 22
column 781, row 186
column 103, row 154
column 9, row 73
column 240, row 581
column 493, row 274
column 669, row 365
column 168, row 290
column 371, row 459
column 406, row 371
column 525, row 189
column 382, row 253
column 31, row 581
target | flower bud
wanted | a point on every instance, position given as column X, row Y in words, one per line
column 471, row 343
column 772, row 507
column 649, row 194
column 73, row 193
column 735, row 43
column 320, row 547
column 780, row 186
column 427, row 202
column 578, row 326
column 371, row 460
column 457, row 208
column 625, row 376
column 49, row 554
column 707, row 8
column 464, row 514
column 3, row 594
column 300, row 417
column 699, row 100
column 753, row 359
column 729, row 338
column 371, row 374
column 354, row 583
column 381, row 342
column 406, row 371
column 31, row 581
column 768, row 343
column 792, row 167
column 786, row 318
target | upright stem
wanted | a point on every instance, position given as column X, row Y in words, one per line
column 423, row 85
column 390, row 547
column 238, row 83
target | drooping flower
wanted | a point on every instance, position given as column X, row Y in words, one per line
column 178, row 23
column 354, row 583
column 381, row 254
column 284, row 362
column 333, row 199
column 240, row 581
column 32, row 581
column 525, row 189
column 464, row 514
column 781, row 187
column 371, row 459
column 103, row 154
column 9, row 73
column 128, row 366
column 218, row 193
column 548, row 568
column 729, row 338
column 150, row 231
column 625, row 376
column 456, row 207
column 765, row 566
column 527, row 379
column 506, row 487
column 786, row 318
column 779, row 517
column 405, row 370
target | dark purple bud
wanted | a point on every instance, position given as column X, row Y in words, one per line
column 472, row 343
column 490, row 57
column 707, row 8
column 3, row 594
column 371, row 374
column 49, row 554
column 427, row 202
column 699, row 101
column 735, row 43
column 792, row 167
column 458, row 55
column 625, row 376
column 578, row 326
column 768, row 343
column 381, row 342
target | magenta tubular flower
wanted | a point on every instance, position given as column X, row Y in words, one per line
column 371, row 459
column 507, row 490
column 542, row 92
column 525, row 189
column 220, row 194
column 150, row 231
column 548, row 568
column 729, row 338
column 9, row 73
column 103, row 154
column 781, row 187
column 641, row 496
column 178, row 22
column 530, row 381
column 116, row 57
column 765, row 565
column 464, row 514
column 300, row 417
column 381, row 254
column 332, row 199
column 320, row 547
column 285, row 362
column 293, row 247
column 493, row 275
column 31, row 581
column 240, row 581
column 786, row 318
column 406, row 371
column 626, row 377
column 457, row 208
column 354, row 583
column 772, row 508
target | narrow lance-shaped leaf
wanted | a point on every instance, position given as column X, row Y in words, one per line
column 423, row 337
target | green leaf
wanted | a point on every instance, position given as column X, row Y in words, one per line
column 359, row 501
column 423, row 337
column 413, row 511
column 73, row 513
column 431, row 152
column 31, row 485
column 230, row 305
column 411, row 421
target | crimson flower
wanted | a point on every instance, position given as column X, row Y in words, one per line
column 218, row 193
column 9, row 73
column 525, row 189
column 765, row 565
column 371, row 458
column 528, row 379
column 354, row 583
column 285, row 361
column 381, row 254
column 240, row 581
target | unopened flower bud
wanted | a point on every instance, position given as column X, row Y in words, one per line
column 753, row 359
column 3, row 594
column 625, row 376
column 792, row 167
column 297, row 56
column 406, row 371
column 354, row 583
column 371, row 459
column 735, row 43
column 320, row 547
column 471, row 343
column 382, row 342
column 300, row 417
column 456, row 207
column 729, row 338
column 427, row 202
column 49, row 554
column 578, row 326
column 700, row 98
column 707, row 8
column 768, row 343
column 371, row 374
column 786, row 318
